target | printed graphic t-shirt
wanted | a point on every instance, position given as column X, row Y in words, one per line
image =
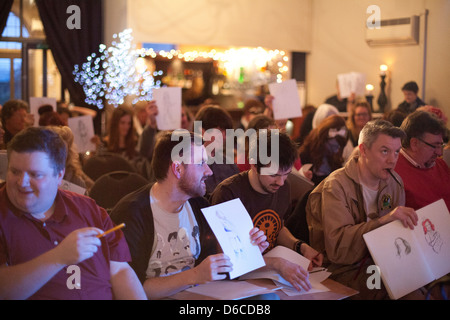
column 177, row 241
column 266, row 210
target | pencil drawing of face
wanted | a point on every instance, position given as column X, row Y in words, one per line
column 403, row 248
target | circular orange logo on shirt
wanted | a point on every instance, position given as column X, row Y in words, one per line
column 270, row 223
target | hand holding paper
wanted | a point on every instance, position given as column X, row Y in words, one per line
column 214, row 268
column 231, row 224
column 258, row 238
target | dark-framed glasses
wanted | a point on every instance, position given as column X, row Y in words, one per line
column 440, row 146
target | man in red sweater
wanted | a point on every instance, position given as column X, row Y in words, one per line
column 425, row 175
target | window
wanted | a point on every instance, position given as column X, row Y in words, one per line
column 23, row 52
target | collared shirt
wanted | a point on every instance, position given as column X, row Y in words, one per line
column 409, row 158
column 423, row 185
column 23, row 238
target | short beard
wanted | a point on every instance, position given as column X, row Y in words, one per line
column 188, row 188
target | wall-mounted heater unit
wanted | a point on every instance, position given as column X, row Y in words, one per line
column 402, row 31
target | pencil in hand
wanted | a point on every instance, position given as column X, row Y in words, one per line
column 120, row 226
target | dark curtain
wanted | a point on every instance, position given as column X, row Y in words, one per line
column 72, row 46
column 5, row 8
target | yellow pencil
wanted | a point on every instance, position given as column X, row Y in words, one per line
column 120, row 226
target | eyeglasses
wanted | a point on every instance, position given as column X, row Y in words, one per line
column 441, row 146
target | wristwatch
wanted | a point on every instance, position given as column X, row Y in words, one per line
column 298, row 245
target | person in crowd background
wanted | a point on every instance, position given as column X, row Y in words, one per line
column 425, row 174
column 122, row 137
column 147, row 137
column 49, row 117
column 252, row 108
column 306, row 124
column 15, row 118
column 341, row 104
column 215, row 121
column 359, row 115
column 395, row 117
column 412, row 101
column 187, row 119
column 323, row 147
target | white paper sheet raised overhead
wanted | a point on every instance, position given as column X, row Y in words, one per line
column 409, row 259
column 352, row 82
column 169, row 102
column 83, row 131
column 286, row 102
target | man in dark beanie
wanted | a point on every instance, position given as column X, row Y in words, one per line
column 412, row 101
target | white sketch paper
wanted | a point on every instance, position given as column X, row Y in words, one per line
column 36, row 103
column 83, row 131
column 315, row 277
column 69, row 186
column 409, row 259
column 286, row 102
column 231, row 224
column 352, row 82
column 168, row 100
column 228, row 290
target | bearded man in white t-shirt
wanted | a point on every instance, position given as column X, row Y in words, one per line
column 171, row 244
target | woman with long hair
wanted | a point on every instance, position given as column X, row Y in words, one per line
column 359, row 115
column 323, row 147
column 122, row 137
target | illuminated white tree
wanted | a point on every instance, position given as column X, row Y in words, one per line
column 111, row 74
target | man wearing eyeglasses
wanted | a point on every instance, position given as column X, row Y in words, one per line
column 425, row 175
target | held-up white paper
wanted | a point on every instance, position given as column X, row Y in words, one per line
column 286, row 102
column 409, row 259
column 83, row 131
column 36, row 103
column 168, row 100
column 352, row 82
column 231, row 224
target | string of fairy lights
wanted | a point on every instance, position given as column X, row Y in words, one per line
column 117, row 71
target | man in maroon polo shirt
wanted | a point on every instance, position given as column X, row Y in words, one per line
column 49, row 247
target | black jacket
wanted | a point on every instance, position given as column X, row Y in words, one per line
column 135, row 211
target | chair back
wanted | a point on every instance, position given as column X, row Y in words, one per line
column 113, row 186
column 99, row 164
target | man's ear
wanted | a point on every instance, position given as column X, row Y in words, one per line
column 362, row 149
column 60, row 176
column 176, row 169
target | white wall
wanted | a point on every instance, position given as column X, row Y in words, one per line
column 331, row 31
column 339, row 46
column 115, row 18
column 281, row 24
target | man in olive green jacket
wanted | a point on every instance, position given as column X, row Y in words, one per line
column 356, row 199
